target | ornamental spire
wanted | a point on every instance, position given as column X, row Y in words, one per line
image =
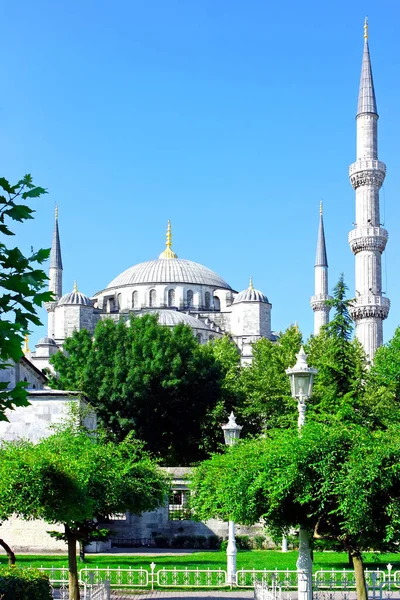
column 251, row 286
column 26, row 345
column 75, row 287
column 168, row 252
column 366, row 96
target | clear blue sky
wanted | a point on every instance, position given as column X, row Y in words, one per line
column 232, row 118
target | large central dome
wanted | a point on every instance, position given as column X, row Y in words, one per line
column 169, row 270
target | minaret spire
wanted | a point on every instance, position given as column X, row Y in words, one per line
column 55, row 275
column 56, row 266
column 368, row 239
column 319, row 300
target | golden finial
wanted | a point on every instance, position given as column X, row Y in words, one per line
column 366, row 28
column 251, row 287
column 26, row 344
column 296, row 325
column 320, row 208
column 75, row 287
column 56, row 212
column 168, row 252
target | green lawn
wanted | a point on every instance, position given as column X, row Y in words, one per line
column 258, row 559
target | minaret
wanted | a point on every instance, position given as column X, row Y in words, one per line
column 55, row 276
column 318, row 301
column 368, row 239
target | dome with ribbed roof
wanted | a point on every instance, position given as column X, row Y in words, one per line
column 46, row 341
column 174, row 317
column 171, row 270
column 75, row 297
column 251, row 295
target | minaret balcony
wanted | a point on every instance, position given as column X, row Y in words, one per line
column 373, row 239
column 369, row 306
column 367, row 171
column 319, row 302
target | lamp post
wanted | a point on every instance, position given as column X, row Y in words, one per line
column 301, row 382
column 231, row 434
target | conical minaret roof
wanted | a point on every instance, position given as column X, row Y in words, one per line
column 55, row 253
column 366, row 95
column 321, row 258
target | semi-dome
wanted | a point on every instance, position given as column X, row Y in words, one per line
column 75, row 297
column 171, row 270
column 174, row 317
column 251, row 295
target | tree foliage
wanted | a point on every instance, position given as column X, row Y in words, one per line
column 264, row 386
column 21, row 282
column 340, row 482
column 146, row 378
column 77, row 480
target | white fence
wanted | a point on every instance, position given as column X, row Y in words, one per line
column 327, row 583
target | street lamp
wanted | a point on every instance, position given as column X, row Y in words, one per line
column 301, row 382
column 231, row 434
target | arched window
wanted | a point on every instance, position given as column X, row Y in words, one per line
column 111, row 305
column 217, row 303
column 207, row 299
column 171, row 297
column 135, row 300
column 152, row 298
column 199, row 337
column 189, row 298
column 119, row 298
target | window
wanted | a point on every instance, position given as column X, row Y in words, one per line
column 189, row 298
column 207, row 299
column 119, row 298
column 199, row 337
column 171, row 297
column 135, row 300
column 152, row 298
column 177, row 506
column 111, row 305
column 217, row 303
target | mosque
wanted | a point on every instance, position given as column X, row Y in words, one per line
column 183, row 291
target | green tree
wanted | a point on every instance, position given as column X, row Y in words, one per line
column 78, row 480
column 265, row 386
column 147, row 378
column 21, row 282
column 340, row 482
column 341, row 363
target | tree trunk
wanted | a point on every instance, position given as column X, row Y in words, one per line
column 361, row 587
column 82, row 557
column 72, row 566
column 10, row 553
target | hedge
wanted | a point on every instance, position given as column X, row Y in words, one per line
column 24, row 584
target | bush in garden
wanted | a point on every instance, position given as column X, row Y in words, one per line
column 24, row 584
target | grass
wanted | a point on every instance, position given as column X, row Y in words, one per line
column 257, row 559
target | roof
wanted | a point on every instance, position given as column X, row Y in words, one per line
column 321, row 258
column 55, row 252
column 251, row 295
column 29, row 365
column 172, row 270
column 171, row 318
column 366, row 95
column 75, row 298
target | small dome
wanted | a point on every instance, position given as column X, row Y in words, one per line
column 75, row 297
column 48, row 341
column 251, row 295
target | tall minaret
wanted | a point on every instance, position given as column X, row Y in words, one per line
column 55, row 275
column 368, row 239
column 318, row 301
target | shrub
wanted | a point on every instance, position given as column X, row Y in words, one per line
column 258, row 542
column 214, row 542
column 24, row 584
column 161, row 541
column 243, row 542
